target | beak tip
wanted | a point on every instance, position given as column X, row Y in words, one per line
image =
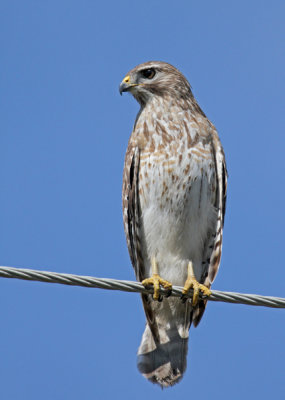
column 124, row 87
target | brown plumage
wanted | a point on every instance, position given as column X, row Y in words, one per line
column 174, row 194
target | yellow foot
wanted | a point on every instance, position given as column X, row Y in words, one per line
column 192, row 283
column 156, row 281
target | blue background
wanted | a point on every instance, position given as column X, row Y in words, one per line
column 64, row 131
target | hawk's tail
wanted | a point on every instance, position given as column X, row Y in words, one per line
column 162, row 355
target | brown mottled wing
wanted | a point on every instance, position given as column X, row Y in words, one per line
column 132, row 213
column 221, row 172
column 131, row 208
column 213, row 248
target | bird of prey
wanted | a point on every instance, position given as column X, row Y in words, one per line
column 174, row 196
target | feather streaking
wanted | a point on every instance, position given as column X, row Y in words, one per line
column 174, row 195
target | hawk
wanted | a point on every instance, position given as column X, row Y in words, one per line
column 174, row 197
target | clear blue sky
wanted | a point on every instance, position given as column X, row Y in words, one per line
column 64, row 131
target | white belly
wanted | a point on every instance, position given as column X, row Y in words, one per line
column 177, row 215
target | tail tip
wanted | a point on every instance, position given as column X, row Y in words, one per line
column 164, row 376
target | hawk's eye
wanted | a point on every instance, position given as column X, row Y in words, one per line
column 148, row 73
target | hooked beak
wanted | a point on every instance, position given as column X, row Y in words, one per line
column 126, row 85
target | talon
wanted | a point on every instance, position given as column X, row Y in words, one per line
column 156, row 281
column 183, row 298
column 192, row 283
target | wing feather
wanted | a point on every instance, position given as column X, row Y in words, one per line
column 221, row 172
column 213, row 247
column 132, row 217
column 131, row 208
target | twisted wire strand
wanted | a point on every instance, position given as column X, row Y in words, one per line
column 130, row 286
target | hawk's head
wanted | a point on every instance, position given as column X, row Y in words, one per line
column 155, row 78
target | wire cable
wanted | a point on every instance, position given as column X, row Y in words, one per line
column 130, row 286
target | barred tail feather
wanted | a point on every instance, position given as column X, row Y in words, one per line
column 164, row 361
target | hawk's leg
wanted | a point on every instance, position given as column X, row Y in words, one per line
column 192, row 283
column 156, row 281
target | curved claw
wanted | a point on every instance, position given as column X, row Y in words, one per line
column 156, row 281
column 192, row 283
column 183, row 298
column 160, row 298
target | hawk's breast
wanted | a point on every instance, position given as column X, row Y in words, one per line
column 177, row 186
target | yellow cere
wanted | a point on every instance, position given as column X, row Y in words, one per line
column 126, row 79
